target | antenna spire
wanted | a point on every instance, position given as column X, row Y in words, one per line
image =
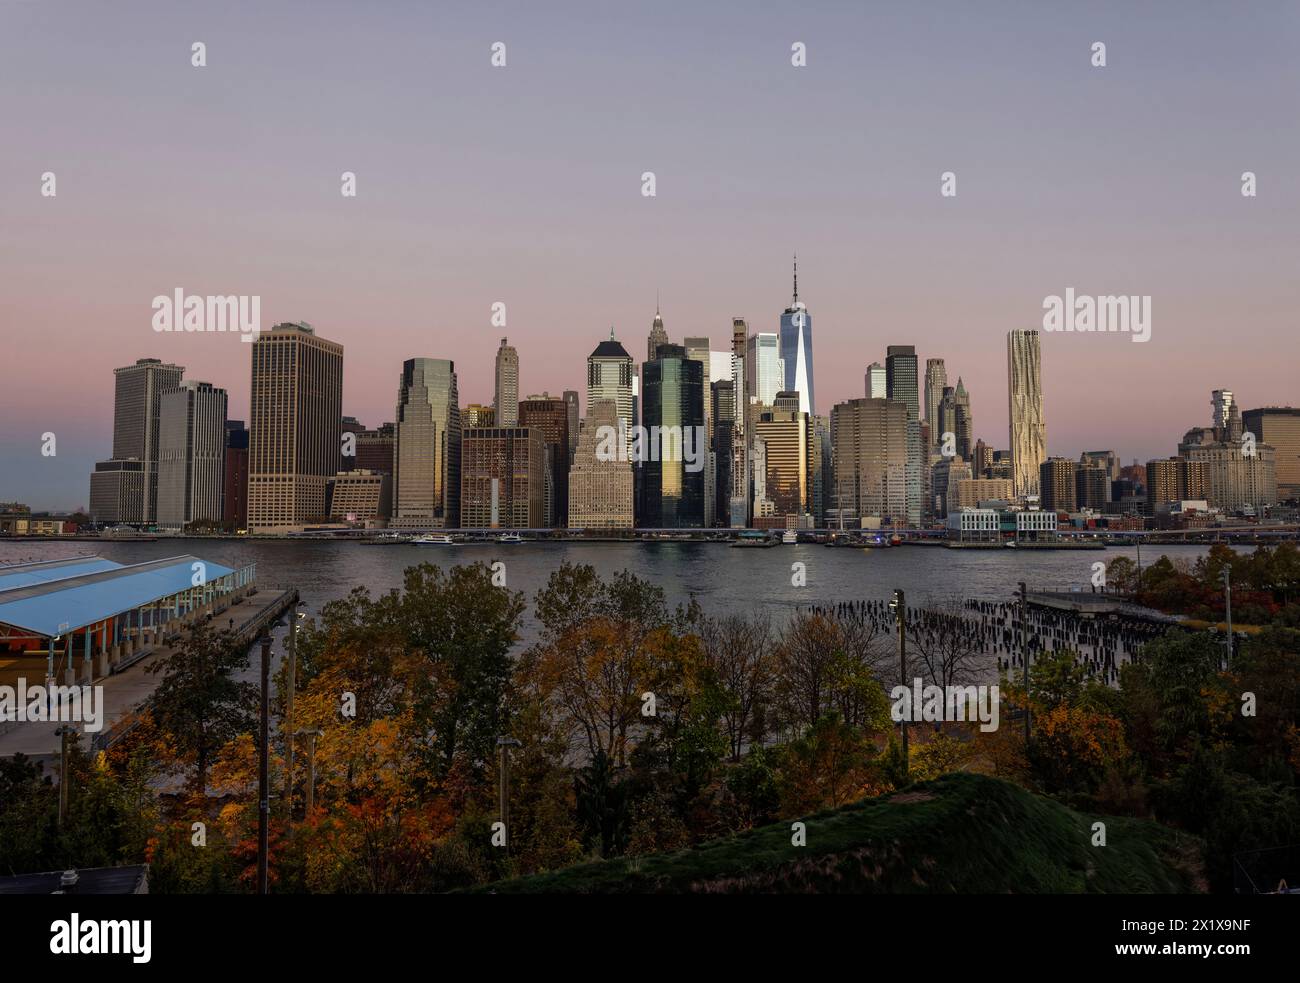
column 796, row 277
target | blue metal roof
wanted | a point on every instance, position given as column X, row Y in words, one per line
column 59, row 606
column 43, row 571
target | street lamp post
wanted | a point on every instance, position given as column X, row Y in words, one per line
column 1227, row 603
column 898, row 605
column 504, row 744
column 311, row 735
column 263, row 764
column 1024, row 652
column 64, row 731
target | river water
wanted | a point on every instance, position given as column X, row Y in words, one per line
column 723, row 579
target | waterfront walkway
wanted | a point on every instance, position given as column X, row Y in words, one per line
column 130, row 686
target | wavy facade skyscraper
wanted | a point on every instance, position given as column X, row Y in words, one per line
column 1025, row 410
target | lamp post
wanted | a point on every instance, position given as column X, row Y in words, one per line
column 294, row 628
column 504, row 744
column 1227, row 604
column 898, row 605
column 311, row 734
column 64, row 731
column 1024, row 652
column 263, row 763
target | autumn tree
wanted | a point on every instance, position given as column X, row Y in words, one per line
column 828, row 766
column 808, row 666
column 199, row 704
column 738, row 651
column 942, row 648
column 463, row 626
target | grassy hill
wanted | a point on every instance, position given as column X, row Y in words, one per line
column 959, row 834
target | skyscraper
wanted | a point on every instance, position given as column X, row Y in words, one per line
column 1025, row 395
column 549, row 416
column 571, row 401
column 764, row 370
column 697, row 349
column 234, row 492
column 901, row 382
column 477, row 415
column 673, row 465
column 877, row 386
column 1221, row 403
column 739, row 483
column 503, row 474
column 1057, row 482
column 426, row 459
column 797, row 349
column 350, row 425
column 191, row 455
column 869, row 447
column 658, row 336
column 722, row 396
column 125, row 488
column 293, row 434
column 506, row 400
column 1279, row 427
column 600, row 485
column 954, row 418
column 375, row 449
column 936, row 381
column 610, row 376
column 788, row 435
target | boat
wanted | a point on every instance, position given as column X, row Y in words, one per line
column 433, row 539
column 753, row 539
column 510, row 537
column 789, row 537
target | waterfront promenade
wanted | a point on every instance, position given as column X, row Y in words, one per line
column 126, row 690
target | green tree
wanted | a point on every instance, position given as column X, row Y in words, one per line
column 464, row 627
column 199, row 705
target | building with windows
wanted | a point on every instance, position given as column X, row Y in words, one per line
column 293, row 432
column 549, row 415
column 361, row 496
column 676, row 451
column 234, row 491
column 191, row 455
column 124, row 489
column 1279, row 427
column 1056, row 482
column 503, row 476
column 869, row 447
column 1028, row 430
column 600, row 485
column 427, row 453
column 505, row 403
column 796, row 350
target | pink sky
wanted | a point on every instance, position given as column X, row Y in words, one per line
column 522, row 185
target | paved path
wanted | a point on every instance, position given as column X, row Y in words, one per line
column 122, row 692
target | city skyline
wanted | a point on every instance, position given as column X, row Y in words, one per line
column 994, row 441
column 178, row 190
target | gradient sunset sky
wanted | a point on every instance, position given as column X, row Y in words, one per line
column 522, row 184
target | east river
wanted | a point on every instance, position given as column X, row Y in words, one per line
column 723, row 579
